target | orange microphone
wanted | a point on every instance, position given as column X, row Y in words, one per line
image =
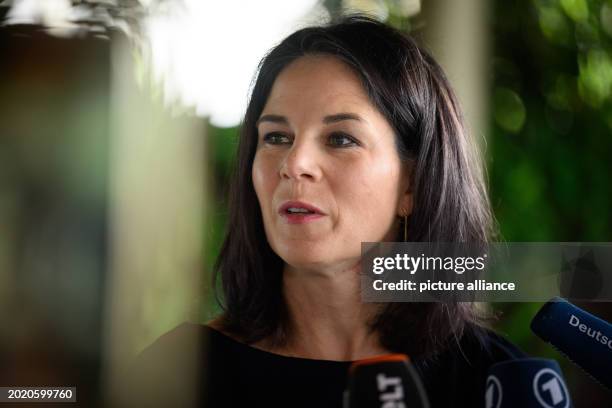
column 387, row 381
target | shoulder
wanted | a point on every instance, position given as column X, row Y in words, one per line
column 478, row 347
column 192, row 348
column 490, row 345
column 183, row 335
column 461, row 370
column 167, row 372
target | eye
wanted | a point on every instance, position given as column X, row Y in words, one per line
column 276, row 138
column 341, row 139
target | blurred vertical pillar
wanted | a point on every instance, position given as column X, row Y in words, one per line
column 157, row 186
column 458, row 32
column 53, row 183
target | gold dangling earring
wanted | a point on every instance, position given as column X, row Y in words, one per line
column 405, row 228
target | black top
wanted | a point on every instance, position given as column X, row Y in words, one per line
column 226, row 373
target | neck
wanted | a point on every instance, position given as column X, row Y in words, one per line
column 328, row 319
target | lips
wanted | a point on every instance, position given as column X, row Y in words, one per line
column 298, row 212
column 300, row 207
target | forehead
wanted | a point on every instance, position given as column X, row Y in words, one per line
column 319, row 82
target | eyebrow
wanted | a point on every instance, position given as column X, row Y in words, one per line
column 272, row 118
column 338, row 117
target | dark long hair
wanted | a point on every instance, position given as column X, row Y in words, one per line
column 410, row 89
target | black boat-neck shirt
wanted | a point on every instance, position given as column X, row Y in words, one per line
column 218, row 371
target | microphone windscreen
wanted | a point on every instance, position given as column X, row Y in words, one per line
column 387, row 381
column 584, row 338
column 526, row 383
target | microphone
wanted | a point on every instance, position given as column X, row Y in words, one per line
column 387, row 382
column 582, row 337
column 526, row 383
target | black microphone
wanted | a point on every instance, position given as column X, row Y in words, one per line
column 387, row 381
column 526, row 383
column 582, row 337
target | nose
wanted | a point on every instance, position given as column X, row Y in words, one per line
column 301, row 162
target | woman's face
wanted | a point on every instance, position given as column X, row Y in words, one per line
column 326, row 172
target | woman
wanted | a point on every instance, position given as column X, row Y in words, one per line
column 352, row 134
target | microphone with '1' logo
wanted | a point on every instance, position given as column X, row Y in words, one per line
column 526, row 383
column 384, row 382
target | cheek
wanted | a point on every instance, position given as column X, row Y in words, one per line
column 263, row 178
column 372, row 192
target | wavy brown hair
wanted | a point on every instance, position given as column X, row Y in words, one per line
column 410, row 89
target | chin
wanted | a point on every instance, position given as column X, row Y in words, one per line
column 314, row 257
column 301, row 254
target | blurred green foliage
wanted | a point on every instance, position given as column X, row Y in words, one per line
column 549, row 142
column 223, row 144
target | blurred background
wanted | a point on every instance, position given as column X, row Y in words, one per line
column 118, row 126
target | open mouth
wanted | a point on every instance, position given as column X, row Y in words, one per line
column 296, row 212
